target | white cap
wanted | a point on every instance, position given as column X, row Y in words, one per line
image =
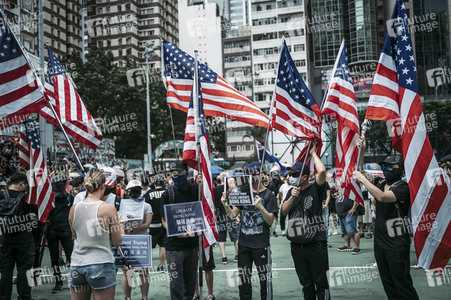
column 110, row 176
column 133, row 183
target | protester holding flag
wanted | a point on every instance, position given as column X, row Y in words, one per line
column 253, row 239
column 391, row 237
column 182, row 252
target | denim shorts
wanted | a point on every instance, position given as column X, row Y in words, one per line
column 348, row 224
column 98, row 276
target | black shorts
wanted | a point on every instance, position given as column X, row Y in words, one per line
column 229, row 226
column 158, row 236
column 210, row 265
column 332, row 206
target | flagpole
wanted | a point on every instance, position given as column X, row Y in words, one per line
column 196, row 126
column 366, row 125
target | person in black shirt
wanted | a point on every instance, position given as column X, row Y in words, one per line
column 306, row 229
column 156, row 230
column 391, row 237
column 253, row 240
column 182, row 252
column 59, row 228
column 18, row 244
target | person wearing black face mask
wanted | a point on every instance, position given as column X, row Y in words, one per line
column 182, row 252
column 391, row 234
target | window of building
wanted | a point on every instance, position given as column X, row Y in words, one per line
column 229, row 149
column 128, row 6
column 119, row 7
column 298, row 48
column 238, row 148
column 252, row 147
column 129, row 51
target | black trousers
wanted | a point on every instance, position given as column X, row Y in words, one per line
column 394, row 269
column 282, row 221
column 182, row 269
column 247, row 256
column 311, row 262
column 54, row 236
column 17, row 249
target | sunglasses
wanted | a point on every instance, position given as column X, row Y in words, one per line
column 387, row 168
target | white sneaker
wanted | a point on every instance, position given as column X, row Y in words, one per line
column 284, row 233
column 335, row 232
column 374, row 265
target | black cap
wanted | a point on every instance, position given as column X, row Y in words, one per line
column 392, row 160
column 297, row 168
column 178, row 165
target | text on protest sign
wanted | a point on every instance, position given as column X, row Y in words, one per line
column 181, row 217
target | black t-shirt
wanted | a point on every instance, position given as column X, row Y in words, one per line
column 59, row 215
column 221, row 215
column 391, row 228
column 305, row 224
column 176, row 243
column 343, row 205
column 155, row 199
column 254, row 231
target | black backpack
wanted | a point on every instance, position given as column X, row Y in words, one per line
column 11, row 206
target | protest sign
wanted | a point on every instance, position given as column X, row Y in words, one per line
column 181, row 217
column 137, row 251
column 239, row 190
column 131, row 209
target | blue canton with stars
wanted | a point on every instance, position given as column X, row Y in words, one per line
column 398, row 45
column 289, row 79
column 32, row 133
column 203, row 128
column 179, row 65
column 342, row 70
column 54, row 67
column 9, row 48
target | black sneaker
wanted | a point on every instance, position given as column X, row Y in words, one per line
column 362, row 235
column 344, row 249
column 275, row 234
column 356, row 251
column 58, row 287
column 160, row 269
column 369, row 236
column 236, row 258
column 224, row 260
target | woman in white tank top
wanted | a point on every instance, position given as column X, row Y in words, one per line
column 95, row 227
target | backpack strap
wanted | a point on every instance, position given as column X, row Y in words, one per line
column 117, row 202
column 6, row 193
column 171, row 195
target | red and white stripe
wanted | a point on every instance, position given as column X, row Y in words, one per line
column 341, row 105
column 20, row 94
column 74, row 116
column 430, row 188
column 40, row 189
column 221, row 99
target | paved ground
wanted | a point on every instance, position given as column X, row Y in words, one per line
column 359, row 282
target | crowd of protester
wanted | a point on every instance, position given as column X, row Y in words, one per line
column 308, row 200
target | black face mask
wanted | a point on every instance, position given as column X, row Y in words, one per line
column 393, row 175
column 134, row 194
column 59, row 189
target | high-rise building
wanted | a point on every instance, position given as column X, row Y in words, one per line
column 200, row 28
column 62, row 24
column 124, row 27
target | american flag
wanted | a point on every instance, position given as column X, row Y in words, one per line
column 395, row 96
column 190, row 149
column 294, row 111
column 20, row 93
column 261, row 151
column 221, row 99
column 341, row 104
column 30, row 156
column 74, row 116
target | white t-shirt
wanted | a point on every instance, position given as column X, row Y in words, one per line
column 284, row 188
column 136, row 223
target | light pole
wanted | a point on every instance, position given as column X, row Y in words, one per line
column 149, row 52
